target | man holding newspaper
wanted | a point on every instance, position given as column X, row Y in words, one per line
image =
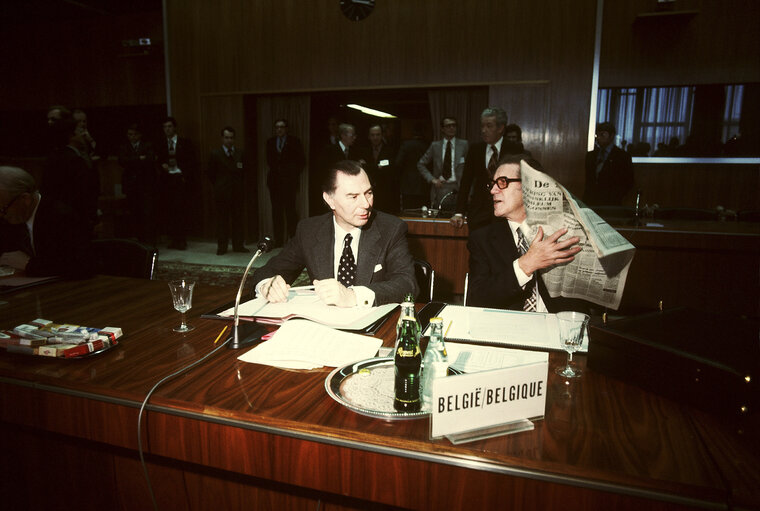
column 514, row 265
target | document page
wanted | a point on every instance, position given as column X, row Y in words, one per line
column 503, row 327
column 469, row 358
column 303, row 344
column 307, row 305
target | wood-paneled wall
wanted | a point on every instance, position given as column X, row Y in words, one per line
column 82, row 63
column 237, row 47
column 720, row 43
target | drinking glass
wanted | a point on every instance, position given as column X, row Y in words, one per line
column 571, row 328
column 182, row 296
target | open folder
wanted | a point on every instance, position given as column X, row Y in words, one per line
column 305, row 305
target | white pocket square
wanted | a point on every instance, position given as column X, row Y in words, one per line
column 378, row 267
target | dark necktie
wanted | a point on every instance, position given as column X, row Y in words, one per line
column 347, row 264
column 493, row 162
column 346, row 152
column 171, row 147
column 532, row 299
column 447, row 162
column 231, row 153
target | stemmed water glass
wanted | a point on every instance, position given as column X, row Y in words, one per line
column 182, row 296
column 571, row 328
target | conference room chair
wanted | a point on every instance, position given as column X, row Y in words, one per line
column 425, row 276
column 124, row 258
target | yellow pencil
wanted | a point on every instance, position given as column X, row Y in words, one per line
column 448, row 328
column 221, row 333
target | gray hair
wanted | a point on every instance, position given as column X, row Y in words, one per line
column 343, row 128
column 15, row 181
column 498, row 113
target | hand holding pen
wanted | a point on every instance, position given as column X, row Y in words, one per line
column 276, row 290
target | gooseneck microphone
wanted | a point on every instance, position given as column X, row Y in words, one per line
column 252, row 332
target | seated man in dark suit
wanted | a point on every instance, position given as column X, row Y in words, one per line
column 354, row 255
column 502, row 274
column 40, row 236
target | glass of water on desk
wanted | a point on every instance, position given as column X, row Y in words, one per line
column 571, row 328
column 182, row 296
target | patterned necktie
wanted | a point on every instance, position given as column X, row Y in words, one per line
column 532, row 300
column 493, row 162
column 347, row 264
column 447, row 162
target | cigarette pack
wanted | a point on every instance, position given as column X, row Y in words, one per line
column 112, row 332
column 54, row 350
column 24, row 350
column 41, row 323
column 28, row 332
column 83, row 349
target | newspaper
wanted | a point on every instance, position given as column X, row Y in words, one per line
column 599, row 270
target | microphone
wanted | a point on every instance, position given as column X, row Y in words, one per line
column 252, row 332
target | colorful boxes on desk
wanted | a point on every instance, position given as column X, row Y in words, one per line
column 44, row 338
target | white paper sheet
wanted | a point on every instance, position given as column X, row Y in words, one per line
column 303, row 344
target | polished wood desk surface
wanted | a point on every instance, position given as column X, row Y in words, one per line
column 599, row 435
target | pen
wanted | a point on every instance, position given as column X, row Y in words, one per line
column 448, row 328
column 221, row 333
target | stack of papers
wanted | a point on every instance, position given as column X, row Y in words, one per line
column 302, row 344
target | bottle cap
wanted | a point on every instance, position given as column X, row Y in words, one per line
column 436, row 320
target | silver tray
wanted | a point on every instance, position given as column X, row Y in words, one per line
column 338, row 380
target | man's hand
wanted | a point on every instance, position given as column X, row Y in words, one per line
column 276, row 290
column 333, row 292
column 438, row 182
column 457, row 221
column 544, row 253
column 16, row 260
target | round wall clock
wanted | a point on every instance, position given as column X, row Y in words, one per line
column 356, row 10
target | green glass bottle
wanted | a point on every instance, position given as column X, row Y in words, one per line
column 407, row 310
column 408, row 361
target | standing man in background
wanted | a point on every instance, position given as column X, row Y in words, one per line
column 382, row 172
column 479, row 168
column 447, row 157
column 226, row 173
column 177, row 161
column 609, row 171
column 139, row 182
column 286, row 160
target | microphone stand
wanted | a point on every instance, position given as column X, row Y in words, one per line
column 251, row 332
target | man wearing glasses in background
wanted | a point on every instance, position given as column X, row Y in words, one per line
column 504, row 262
column 447, row 157
column 39, row 235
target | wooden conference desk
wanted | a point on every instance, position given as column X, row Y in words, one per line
column 230, row 435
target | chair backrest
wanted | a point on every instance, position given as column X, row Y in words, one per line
column 425, row 276
column 124, row 258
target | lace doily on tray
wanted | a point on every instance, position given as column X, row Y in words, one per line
column 370, row 389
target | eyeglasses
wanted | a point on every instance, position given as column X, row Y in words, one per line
column 502, row 182
column 5, row 208
column 450, row 125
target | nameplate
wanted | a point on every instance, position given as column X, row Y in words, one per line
column 473, row 401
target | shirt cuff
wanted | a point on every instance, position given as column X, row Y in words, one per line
column 522, row 277
column 365, row 297
column 260, row 286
